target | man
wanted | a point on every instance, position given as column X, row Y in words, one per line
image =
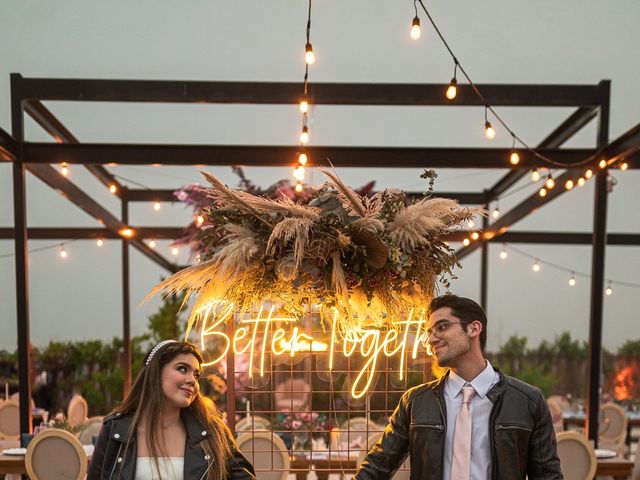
column 473, row 423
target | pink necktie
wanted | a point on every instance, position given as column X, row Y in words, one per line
column 460, row 464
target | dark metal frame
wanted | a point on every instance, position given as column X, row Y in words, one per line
column 28, row 93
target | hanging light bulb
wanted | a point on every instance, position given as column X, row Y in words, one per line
column 156, row 206
column 175, row 250
column 569, row 184
column 309, row 56
column 415, row 33
column 514, row 158
column 489, row 131
column 304, row 135
column 535, row 175
column 466, row 242
column 63, row 252
column 126, row 232
column 298, row 173
column 471, row 223
column 152, row 244
column 550, row 183
column 603, row 163
column 588, row 174
column 452, row 89
column 496, row 213
column 475, row 236
column 199, row 220
column 542, row 192
column 536, row 266
column 503, row 253
column 572, row 280
column 99, row 242
column 298, row 187
column 302, row 159
column 581, row 182
column 304, row 105
column 64, row 170
column 609, row 290
column 624, row 166
column 113, row 189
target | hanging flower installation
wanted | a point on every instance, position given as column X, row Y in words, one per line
column 369, row 260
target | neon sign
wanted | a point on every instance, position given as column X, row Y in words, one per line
column 254, row 333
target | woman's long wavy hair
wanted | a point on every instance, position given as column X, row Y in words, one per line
column 146, row 401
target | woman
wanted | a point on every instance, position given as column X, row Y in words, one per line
column 164, row 429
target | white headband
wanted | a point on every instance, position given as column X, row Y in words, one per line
column 155, row 349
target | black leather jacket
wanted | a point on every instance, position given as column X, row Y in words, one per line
column 109, row 461
column 523, row 442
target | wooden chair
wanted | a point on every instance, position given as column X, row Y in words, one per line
column 16, row 396
column 92, row 427
column 254, row 423
column 267, row 453
column 55, row 453
column 78, row 410
column 612, row 428
column 404, row 473
column 577, row 456
column 9, row 420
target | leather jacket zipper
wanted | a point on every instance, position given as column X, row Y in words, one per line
column 514, row 427
column 428, row 425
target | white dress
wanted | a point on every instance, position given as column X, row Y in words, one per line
column 171, row 468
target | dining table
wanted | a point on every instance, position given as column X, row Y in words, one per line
column 16, row 463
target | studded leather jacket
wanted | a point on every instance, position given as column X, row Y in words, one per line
column 523, row 442
column 113, row 459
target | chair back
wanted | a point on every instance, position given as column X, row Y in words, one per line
column 561, row 401
column 577, row 456
column 91, row 428
column 267, row 453
column 612, row 426
column 78, row 410
column 55, row 453
column 254, row 423
column 9, row 420
column 354, row 433
column 403, row 473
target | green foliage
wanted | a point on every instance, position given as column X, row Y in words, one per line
column 536, row 375
column 167, row 322
column 630, row 348
column 515, row 346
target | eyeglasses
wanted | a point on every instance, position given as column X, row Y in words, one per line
column 440, row 328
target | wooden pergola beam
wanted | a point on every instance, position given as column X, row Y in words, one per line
column 8, row 146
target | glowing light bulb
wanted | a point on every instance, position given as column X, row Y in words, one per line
column 199, row 220
column 603, row 163
column 536, row 266
column 304, row 135
column 309, row 56
column 572, row 281
column 126, row 232
column 63, row 253
column 156, row 206
column 609, row 291
column 542, row 192
column 466, row 242
column 624, row 166
column 64, row 170
column 471, row 224
column 113, row 189
column 496, row 213
column 581, row 182
column 489, row 131
column 298, row 187
column 550, row 183
column 302, row 159
column 475, row 236
column 175, row 250
column 152, row 244
column 588, row 174
column 503, row 254
column 535, row 176
column 298, row 173
column 415, row 33
column 569, row 184
column 514, row 159
column 304, row 106
column 452, row 89
column 99, row 242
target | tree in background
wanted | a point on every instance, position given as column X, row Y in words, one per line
column 167, row 323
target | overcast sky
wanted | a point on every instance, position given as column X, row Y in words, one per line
column 506, row 41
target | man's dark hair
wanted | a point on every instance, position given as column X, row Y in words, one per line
column 465, row 309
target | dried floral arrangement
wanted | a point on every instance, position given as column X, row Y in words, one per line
column 370, row 258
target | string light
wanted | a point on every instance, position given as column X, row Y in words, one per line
column 156, row 206
column 588, row 174
column 415, row 32
column 572, row 280
column 535, row 175
column 64, row 170
column 298, row 173
column 609, row 291
column 514, row 158
column 452, row 89
column 304, row 105
column 475, row 235
column 581, row 182
column 309, row 56
column 99, row 242
column 471, row 223
column 113, row 189
column 63, row 252
column 602, row 164
column 496, row 212
column 152, row 244
column 175, row 250
column 503, row 253
column 569, row 184
column 304, row 135
column 624, row 166
column 550, row 183
column 489, row 131
column 127, row 232
column 466, row 242
column 542, row 192
column 302, row 159
column 536, row 266
column 298, row 187
column 199, row 220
